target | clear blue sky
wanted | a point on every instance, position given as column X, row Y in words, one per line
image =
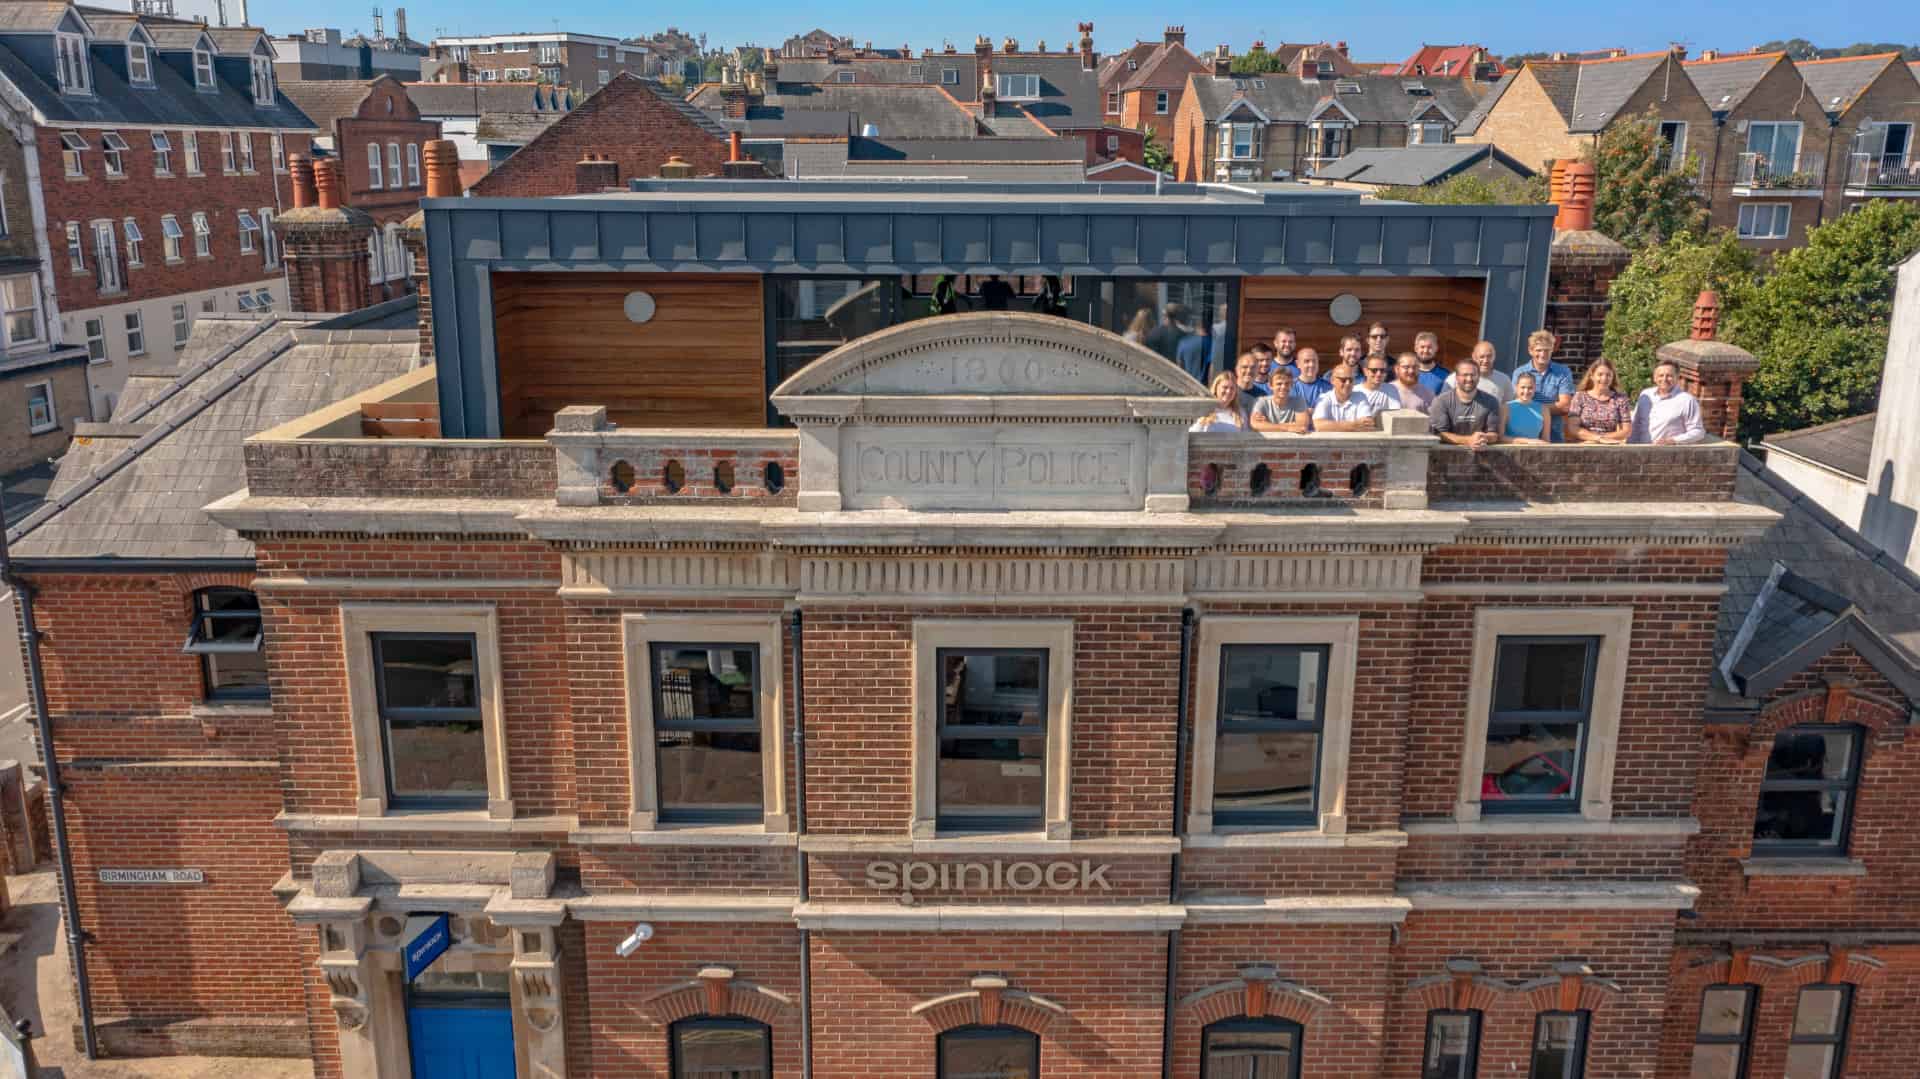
column 1384, row 30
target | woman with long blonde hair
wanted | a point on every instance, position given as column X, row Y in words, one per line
column 1228, row 413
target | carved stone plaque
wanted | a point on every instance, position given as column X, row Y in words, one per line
column 1011, row 467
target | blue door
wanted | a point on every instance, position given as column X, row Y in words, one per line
column 468, row 1038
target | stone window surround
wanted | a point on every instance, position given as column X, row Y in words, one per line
column 639, row 632
column 358, row 622
column 1614, row 627
column 1056, row 636
column 1342, row 635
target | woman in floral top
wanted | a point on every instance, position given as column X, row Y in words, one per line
column 1600, row 412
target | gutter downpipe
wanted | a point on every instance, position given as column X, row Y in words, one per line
column 56, row 811
column 1180, row 737
column 799, row 856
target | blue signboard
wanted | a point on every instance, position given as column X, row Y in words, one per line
column 425, row 944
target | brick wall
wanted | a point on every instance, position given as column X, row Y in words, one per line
column 19, row 445
column 1277, row 470
column 626, row 121
column 1581, row 473
column 1580, row 277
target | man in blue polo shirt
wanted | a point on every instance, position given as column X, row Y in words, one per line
column 1310, row 383
column 1552, row 382
column 1433, row 373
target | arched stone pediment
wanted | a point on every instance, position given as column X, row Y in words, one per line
column 992, row 410
column 991, row 353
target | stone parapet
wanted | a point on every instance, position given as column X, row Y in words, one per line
column 1583, row 473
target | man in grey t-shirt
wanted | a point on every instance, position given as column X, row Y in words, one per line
column 1463, row 415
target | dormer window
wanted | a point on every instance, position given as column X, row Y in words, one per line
column 202, row 69
column 1017, row 87
column 75, row 72
column 139, row 64
column 262, row 81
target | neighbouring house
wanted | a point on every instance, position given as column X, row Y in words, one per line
column 1284, row 125
column 159, row 149
column 1554, row 109
column 1873, row 103
column 581, row 62
column 322, row 53
column 508, row 110
column 1466, row 61
column 635, row 124
column 1142, row 87
column 1419, row 166
column 1000, row 160
column 1763, row 163
column 376, row 133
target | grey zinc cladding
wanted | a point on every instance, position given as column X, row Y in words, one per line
column 1122, row 230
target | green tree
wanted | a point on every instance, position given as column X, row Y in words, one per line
column 1638, row 200
column 1652, row 299
column 1473, row 189
column 1518, row 58
column 1153, row 155
column 1818, row 321
column 1256, row 61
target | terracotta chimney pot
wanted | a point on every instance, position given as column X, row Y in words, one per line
column 305, row 194
column 443, row 169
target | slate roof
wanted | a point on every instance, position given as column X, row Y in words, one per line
column 774, row 121
column 1838, row 82
column 1843, row 445
column 1382, row 98
column 514, row 128
column 1587, row 93
column 327, row 100
column 911, row 110
column 1828, row 578
column 1114, row 71
column 1066, row 148
column 1413, row 166
column 692, row 113
column 1726, row 81
column 172, row 101
column 1471, row 123
column 135, row 488
column 1069, row 93
column 31, row 16
column 445, row 99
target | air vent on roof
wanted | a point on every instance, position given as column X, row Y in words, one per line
column 1416, row 89
column 1346, row 87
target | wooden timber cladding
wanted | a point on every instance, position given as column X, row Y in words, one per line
column 1449, row 306
column 565, row 339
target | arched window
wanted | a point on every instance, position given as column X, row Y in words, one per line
column 979, row 1052
column 226, row 636
column 721, row 1048
column 1806, row 795
column 1244, row 1048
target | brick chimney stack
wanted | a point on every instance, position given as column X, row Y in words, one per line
column 983, row 58
column 1087, row 59
column 1340, row 47
column 1582, row 264
column 1713, row 371
column 442, row 162
column 1010, row 46
column 1176, row 35
column 595, row 172
column 1222, row 61
column 325, row 244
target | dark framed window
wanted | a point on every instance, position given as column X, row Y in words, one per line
column 428, row 688
column 1537, row 731
column 706, row 729
column 226, row 636
column 1722, row 1041
column 989, row 1053
column 1273, row 701
column 993, row 739
column 1818, row 1047
column 1806, row 796
column 720, row 1048
column 1250, row 1049
column 1453, row 1045
column 1559, row 1045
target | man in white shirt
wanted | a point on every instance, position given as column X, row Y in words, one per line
column 1666, row 414
column 1492, row 380
column 1345, row 409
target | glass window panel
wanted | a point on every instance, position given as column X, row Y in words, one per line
column 1541, row 676
column 1532, row 762
column 1272, row 682
column 1811, row 1061
column 989, row 1053
column 1822, row 1012
column 1556, row 1047
column 1450, row 1048
column 705, row 682
column 992, row 689
column 992, row 777
column 435, row 981
column 710, row 770
column 235, row 673
column 1715, row 1062
column 434, row 758
column 1265, row 771
column 1250, row 1049
column 427, row 672
column 1799, row 816
column 1166, row 315
column 1815, row 755
column 1723, row 1012
column 720, row 1049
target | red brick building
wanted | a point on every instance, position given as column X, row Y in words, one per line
column 160, row 152
column 945, row 706
column 1141, row 88
column 635, row 123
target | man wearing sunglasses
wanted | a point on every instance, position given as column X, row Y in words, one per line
column 1377, row 340
column 1345, row 409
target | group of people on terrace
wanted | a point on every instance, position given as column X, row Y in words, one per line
column 1282, row 388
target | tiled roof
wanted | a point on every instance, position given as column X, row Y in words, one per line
column 1443, row 60
column 1381, row 98
column 172, row 100
column 1726, row 81
column 920, row 111
column 1069, row 93
column 138, row 490
column 514, row 128
column 1843, row 445
column 1827, row 572
column 681, row 105
column 1411, row 166
column 327, row 100
column 1472, row 122
column 1836, row 83
column 1587, row 93
column 1114, row 70
column 767, row 121
column 30, row 17
column 448, row 99
column 1167, row 67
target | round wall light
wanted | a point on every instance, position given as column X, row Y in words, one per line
column 639, row 307
column 1345, row 309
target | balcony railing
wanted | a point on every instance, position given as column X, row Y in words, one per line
column 1805, row 172
column 1874, row 170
